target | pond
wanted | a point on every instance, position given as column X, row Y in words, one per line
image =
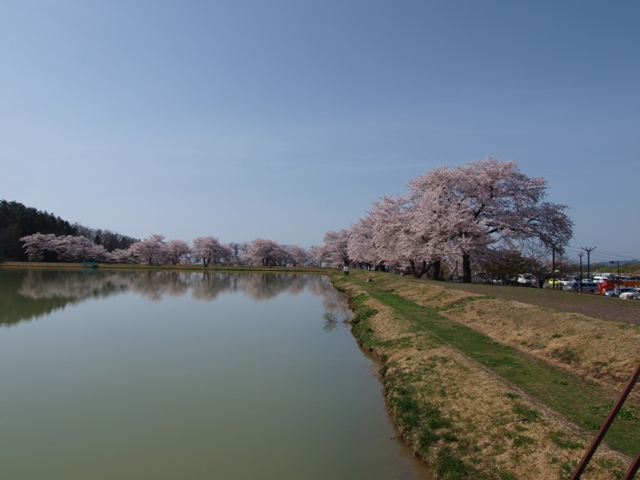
column 164, row 375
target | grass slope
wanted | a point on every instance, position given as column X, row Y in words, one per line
column 472, row 406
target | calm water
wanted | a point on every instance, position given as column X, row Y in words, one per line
column 114, row 375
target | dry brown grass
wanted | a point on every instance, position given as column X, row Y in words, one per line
column 481, row 405
column 602, row 351
column 425, row 295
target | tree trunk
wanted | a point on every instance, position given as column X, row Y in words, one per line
column 423, row 268
column 436, row 270
column 466, row 268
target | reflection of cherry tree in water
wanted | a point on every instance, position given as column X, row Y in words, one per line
column 266, row 286
column 154, row 285
column 28, row 294
column 78, row 286
column 335, row 304
column 41, row 284
column 74, row 286
column 332, row 321
column 332, row 300
column 207, row 286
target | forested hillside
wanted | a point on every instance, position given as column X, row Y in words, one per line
column 18, row 220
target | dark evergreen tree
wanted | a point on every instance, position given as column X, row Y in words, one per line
column 17, row 221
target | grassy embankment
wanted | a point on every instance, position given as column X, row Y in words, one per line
column 488, row 388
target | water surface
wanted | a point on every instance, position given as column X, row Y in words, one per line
column 157, row 375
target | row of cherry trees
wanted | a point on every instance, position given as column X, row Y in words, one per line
column 466, row 215
column 156, row 251
column 473, row 215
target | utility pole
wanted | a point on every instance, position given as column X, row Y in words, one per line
column 553, row 266
column 580, row 254
column 588, row 250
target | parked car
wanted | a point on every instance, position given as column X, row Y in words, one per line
column 525, row 279
column 599, row 277
column 590, row 287
column 614, row 293
column 633, row 294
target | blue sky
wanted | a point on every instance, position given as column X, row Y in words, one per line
column 287, row 119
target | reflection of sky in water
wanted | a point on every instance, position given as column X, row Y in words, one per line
column 49, row 290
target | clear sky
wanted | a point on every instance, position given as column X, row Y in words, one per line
column 287, row 119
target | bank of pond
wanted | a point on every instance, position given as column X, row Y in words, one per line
column 483, row 387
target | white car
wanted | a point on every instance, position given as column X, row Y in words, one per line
column 601, row 277
column 633, row 294
column 525, row 279
column 614, row 293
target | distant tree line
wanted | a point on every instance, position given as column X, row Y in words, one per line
column 18, row 221
column 155, row 250
column 28, row 234
column 482, row 219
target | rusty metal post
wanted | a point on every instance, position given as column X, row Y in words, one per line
column 607, row 423
column 633, row 468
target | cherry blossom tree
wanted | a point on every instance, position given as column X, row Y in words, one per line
column 237, row 250
column 388, row 224
column 122, row 255
column 469, row 209
column 262, row 251
column 397, row 237
column 336, row 244
column 360, row 246
column 318, row 255
column 72, row 248
column 297, row 256
column 37, row 246
column 149, row 250
column 400, row 239
column 65, row 248
column 210, row 251
column 176, row 251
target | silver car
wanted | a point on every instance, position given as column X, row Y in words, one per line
column 633, row 294
column 591, row 287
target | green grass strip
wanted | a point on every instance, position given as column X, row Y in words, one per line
column 578, row 400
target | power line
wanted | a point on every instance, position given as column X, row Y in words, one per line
column 615, row 256
column 605, row 255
